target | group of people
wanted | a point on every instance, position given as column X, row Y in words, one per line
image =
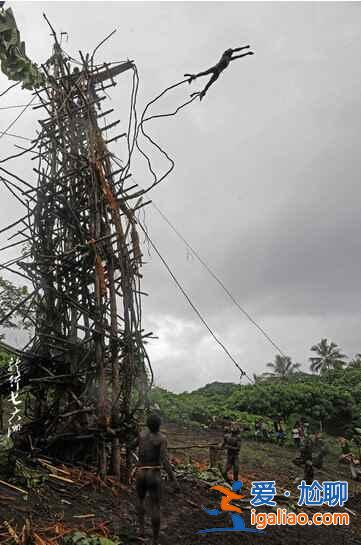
column 263, row 431
column 276, row 431
column 311, row 447
column 152, row 456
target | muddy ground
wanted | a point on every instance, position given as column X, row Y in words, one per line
column 57, row 507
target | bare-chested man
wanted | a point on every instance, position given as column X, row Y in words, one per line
column 218, row 68
column 232, row 444
column 152, row 456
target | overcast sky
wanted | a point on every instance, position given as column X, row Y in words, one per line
column 267, row 177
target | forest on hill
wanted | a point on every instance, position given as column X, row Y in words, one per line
column 330, row 401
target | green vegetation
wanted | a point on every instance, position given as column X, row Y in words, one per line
column 328, row 357
column 12, row 297
column 282, row 367
column 81, row 538
column 13, row 59
column 330, row 400
column 196, row 407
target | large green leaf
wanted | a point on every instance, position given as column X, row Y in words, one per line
column 13, row 59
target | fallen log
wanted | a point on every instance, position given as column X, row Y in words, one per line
column 63, row 479
column 185, row 447
column 14, row 487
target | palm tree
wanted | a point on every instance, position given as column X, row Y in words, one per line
column 328, row 357
column 355, row 363
column 283, row 367
column 258, row 379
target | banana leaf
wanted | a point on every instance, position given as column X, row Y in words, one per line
column 14, row 62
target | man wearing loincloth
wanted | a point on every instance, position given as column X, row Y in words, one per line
column 232, row 444
column 152, row 452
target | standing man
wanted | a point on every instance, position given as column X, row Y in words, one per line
column 279, row 429
column 306, row 454
column 296, row 435
column 302, row 432
column 346, row 451
column 264, row 430
column 258, row 430
column 232, row 444
column 319, row 449
column 152, row 453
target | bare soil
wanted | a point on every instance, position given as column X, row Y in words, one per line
column 55, row 507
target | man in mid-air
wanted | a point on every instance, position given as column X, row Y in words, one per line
column 218, row 68
column 152, row 453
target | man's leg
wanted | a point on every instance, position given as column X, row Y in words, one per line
column 318, row 461
column 155, row 493
column 141, row 493
column 211, row 81
column 308, row 472
column 229, row 464
column 236, row 467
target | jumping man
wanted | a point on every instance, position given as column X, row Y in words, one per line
column 218, row 68
column 152, row 456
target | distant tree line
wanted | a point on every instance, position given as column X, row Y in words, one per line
column 329, row 396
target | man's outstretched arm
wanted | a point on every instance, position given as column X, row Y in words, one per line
column 244, row 55
column 241, row 48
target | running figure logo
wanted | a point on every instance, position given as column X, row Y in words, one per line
column 238, row 524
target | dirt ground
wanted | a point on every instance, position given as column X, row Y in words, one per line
column 58, row 507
